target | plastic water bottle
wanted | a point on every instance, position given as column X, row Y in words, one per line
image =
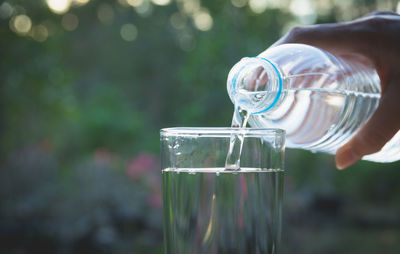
column 321, row 100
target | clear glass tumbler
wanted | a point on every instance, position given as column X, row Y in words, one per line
column 207, row 209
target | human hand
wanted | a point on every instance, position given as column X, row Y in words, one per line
column 377, row 38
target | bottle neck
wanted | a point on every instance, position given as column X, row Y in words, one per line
column 255, row 84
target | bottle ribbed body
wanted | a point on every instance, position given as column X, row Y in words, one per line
column 323, row 99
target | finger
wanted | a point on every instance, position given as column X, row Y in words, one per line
column 382, row 126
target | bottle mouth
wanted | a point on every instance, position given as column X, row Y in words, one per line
column 255, row 84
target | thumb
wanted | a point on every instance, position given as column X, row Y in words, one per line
column 380, row 128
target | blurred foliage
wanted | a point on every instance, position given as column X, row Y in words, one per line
column 84, row 92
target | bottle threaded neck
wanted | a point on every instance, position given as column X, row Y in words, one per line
column 255, row 84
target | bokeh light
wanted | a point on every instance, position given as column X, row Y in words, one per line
column 59, row 6
column 161, row 2
column 39, row 33
column 6, row 10
column 123, row 2
column 21, row 24
column 203, row 20
column 144, row 9
column 239, row 3
column 80, row 2
column 134, row 3
column 323, row 7
column 70, row 22
column 258, row 6
column 398, row 8
column 303, row 9
column 129, row 32
column 190, row 6
column 105, row 13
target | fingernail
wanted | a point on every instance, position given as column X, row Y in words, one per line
column 346, row 158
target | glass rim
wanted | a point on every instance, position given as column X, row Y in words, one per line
column 221, row 131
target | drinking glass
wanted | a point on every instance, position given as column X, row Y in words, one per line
column 208, row 209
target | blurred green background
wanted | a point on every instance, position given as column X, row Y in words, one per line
column 85, row 87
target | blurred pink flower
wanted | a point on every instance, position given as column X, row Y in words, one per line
column 139, row 165
column 146, row 166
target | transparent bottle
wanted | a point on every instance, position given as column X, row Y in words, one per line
column 321, row 100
